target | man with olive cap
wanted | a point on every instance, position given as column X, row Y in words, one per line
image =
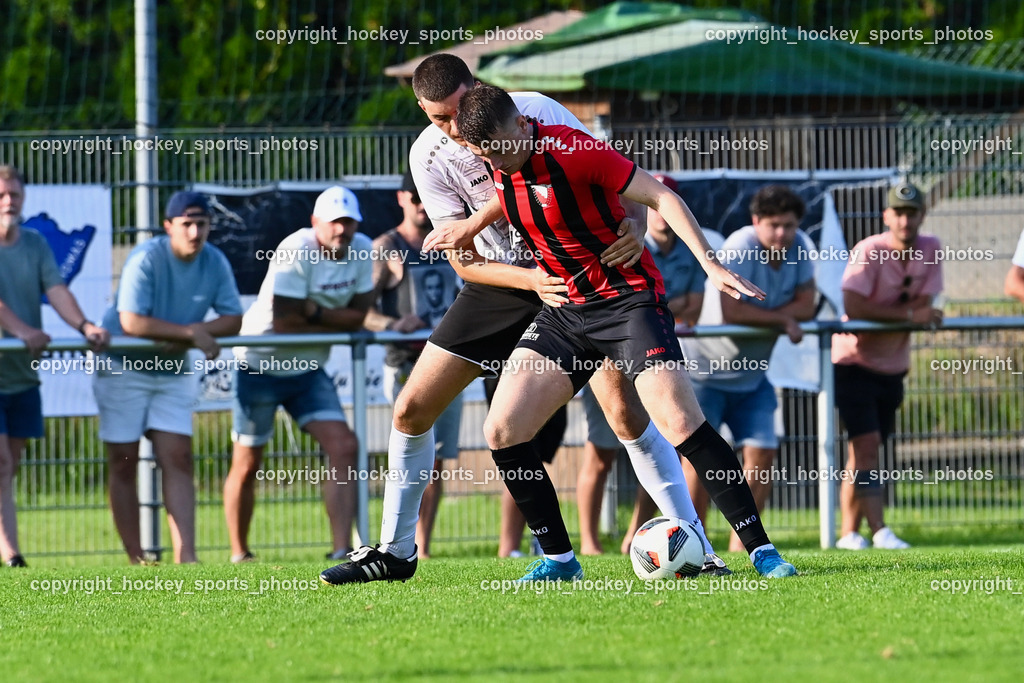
column 891, row 277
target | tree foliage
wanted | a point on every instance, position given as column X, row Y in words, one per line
column 69, row 64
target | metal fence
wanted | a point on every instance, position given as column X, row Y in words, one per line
column 956, row 458
column 970, row 166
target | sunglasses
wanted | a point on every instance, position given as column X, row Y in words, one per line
column 905, row 295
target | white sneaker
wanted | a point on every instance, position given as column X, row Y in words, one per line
column 852, row 541
column 885, row 539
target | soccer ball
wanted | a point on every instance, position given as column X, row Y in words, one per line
column 666, row 548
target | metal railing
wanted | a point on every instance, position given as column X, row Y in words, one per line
column 47, row 487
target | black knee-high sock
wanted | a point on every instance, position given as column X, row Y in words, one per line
column 723, row 479
column 527, row 480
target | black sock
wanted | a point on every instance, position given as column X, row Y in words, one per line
column 527, row 480
column 710, row 455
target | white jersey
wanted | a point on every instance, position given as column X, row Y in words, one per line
column 449, row 178
column 297, row 272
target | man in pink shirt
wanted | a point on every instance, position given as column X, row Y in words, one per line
column 891, row 277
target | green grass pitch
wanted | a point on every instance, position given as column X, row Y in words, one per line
column 930, row 613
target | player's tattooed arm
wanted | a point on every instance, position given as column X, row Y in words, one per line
column 459, row 234
column 472, row 267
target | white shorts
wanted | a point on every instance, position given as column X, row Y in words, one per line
column 133, row 402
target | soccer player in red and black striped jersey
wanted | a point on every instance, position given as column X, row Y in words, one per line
column 560, row 190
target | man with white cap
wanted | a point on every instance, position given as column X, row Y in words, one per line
column 320, row 280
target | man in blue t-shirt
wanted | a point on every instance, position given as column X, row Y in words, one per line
column 28, row 272
column 729, row 378
column 167, row 286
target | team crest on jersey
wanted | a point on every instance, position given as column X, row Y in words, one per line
column 543, row 195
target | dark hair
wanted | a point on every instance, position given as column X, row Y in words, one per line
column 8, row 172
column 775, row 200
column 440, row 75
column 482, row 112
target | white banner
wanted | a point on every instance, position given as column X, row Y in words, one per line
column 77, row 221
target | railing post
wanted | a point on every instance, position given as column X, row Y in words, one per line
column 826, row 442
column 359, row 407
column 149, row 501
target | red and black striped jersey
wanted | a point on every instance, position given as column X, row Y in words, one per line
column 564, row 203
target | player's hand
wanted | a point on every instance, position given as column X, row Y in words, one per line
column 626, row 250
column 732, row 284
column 793, row 331
column 410, row 322
column 551, row 290
column 35, row 340
column 451, row 235
column 205, row 342
column 98, row 337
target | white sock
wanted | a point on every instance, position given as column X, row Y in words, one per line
column 562, row 557
column 760, row 547
column 410, row 462
column 657, row 468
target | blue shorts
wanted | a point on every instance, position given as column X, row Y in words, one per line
column 309, row 397
column 21, row 414
column 749, row 414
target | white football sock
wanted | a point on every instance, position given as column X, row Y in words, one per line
column 561, row 557
column 657, row 468
column 766, row 546
column 410, row 462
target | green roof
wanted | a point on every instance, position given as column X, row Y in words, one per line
column 679, row 57
column 626, row 17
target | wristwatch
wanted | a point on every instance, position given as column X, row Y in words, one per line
column 316, row 316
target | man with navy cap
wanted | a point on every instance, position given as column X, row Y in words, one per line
column 320, row 280
column 168, row 285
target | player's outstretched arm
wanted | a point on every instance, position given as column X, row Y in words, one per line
column 643, row 188
column 459, row 234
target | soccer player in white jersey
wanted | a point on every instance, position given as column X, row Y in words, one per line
column 479, row 332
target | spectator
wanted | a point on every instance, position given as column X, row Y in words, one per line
column 29, row 271
column 1014, row 285
column 168, row 286
column 891, row 277
column 729, row 374
column 414, row 294
column 321, row 280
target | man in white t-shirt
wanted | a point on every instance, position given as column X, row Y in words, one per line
column 320, row 280
column 1014, row 285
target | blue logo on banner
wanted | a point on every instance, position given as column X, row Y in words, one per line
column 68, row 248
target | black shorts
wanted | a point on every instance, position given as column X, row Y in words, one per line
column 484, row 324
column 867, row 400
column 635, row 331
